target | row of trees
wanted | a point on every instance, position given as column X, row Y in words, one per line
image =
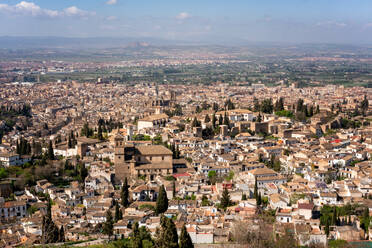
column 228, row 105
column 86, row 131
column 338, row 216
column 167, row 237
column 10, row 111
column 23, row 147
column 302, row 110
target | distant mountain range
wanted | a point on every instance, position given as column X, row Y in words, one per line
column 10, row 42
column 52, row 42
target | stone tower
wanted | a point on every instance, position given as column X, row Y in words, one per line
column 122, row 169
column 119, row 149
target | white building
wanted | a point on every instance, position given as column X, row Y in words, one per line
column 153, row 121
column 12, row 209
column 12, row 159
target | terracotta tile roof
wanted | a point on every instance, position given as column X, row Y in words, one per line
column 154, row 150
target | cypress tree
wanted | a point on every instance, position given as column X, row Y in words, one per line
column 61, row 237
column 109, row 224
column 185, row 239
column 125, row 194
column 161, row 201
column 334, row 216
column 225, row 200
column 69, row 143
column 226, row 120
column 255, row 189
column 100, row 136
column 50, row 151
column 170, row 234
column 118, row 213
column 365, row 220
column 207, row 119
column 195, row 122
column 174, row 188
column 173, row 149
column 215, row 107
column 220, row 120
column 18, row 149
column 214, row 121
column 177, row 152
column 326, row 229
column 244, row 197
column 259, row 200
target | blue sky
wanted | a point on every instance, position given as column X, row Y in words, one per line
column 214, row 21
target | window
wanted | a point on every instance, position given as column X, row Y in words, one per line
column 150, row 158
column 162, row 158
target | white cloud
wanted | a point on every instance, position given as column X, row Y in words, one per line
column 183, row 16
column 31, row 9
column 74, row 11
column 331, row 24
column 112, row 2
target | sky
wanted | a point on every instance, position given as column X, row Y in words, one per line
column 212, row 21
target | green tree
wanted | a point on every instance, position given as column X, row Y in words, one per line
column 118, row 213
column 108, row 227
column 212, row 175
column 185, row 239
column 256, row 105
column 365, row 220
column 170, row 235
column 125, row 194
column 267, row 106
column 279, row 105
column 225, row 199
column 205, row 201
column 161, row 201
column 136, row 239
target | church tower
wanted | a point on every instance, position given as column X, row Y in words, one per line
column 119, row 149
column 122, row 168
